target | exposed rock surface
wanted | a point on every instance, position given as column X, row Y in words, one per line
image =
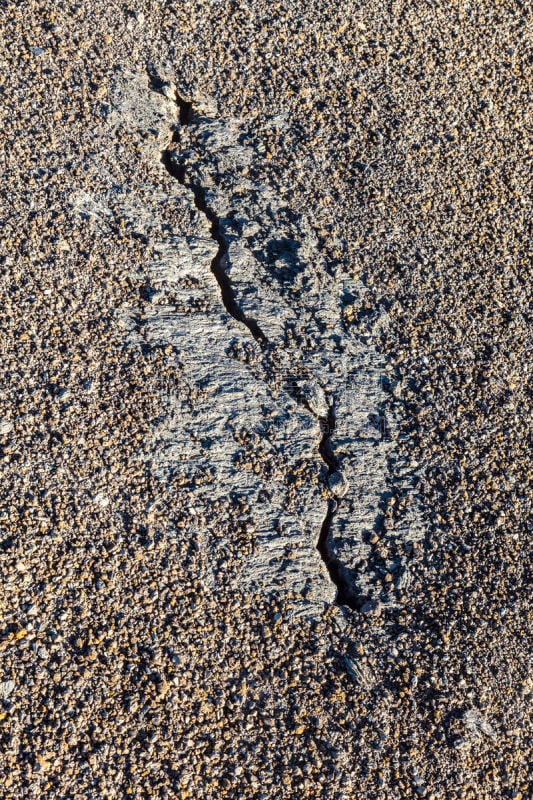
column 275, row 391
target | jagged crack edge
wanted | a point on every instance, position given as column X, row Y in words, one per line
column 339, row 575
column 200, row 202
column 337, row 571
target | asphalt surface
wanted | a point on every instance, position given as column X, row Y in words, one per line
column 134, row 660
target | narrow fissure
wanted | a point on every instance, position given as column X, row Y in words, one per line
column 337, row 571
column 217, row 268
column 346, row 595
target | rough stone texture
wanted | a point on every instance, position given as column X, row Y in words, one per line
column 281, row 281
column 231, row 430
column 134, row 660
column 251, row 416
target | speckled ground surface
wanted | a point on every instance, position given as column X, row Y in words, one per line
column 132, row 664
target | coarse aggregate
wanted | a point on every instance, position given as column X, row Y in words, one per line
column 123, row 672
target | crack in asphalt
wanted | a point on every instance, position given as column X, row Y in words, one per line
column 217, row 268
column 336, row 570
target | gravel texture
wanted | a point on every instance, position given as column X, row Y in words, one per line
column 135, row 658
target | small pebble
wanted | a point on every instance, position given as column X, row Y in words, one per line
column 338, row 484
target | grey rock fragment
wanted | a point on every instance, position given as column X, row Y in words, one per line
column 6, row 689
column 476, row 725
column 315, row 399
column 6, row 426
column 338, row 484
column 360, row 673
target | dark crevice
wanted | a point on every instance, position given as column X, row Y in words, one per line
column 185, row 111
column 226, row 290
column 339, row 574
